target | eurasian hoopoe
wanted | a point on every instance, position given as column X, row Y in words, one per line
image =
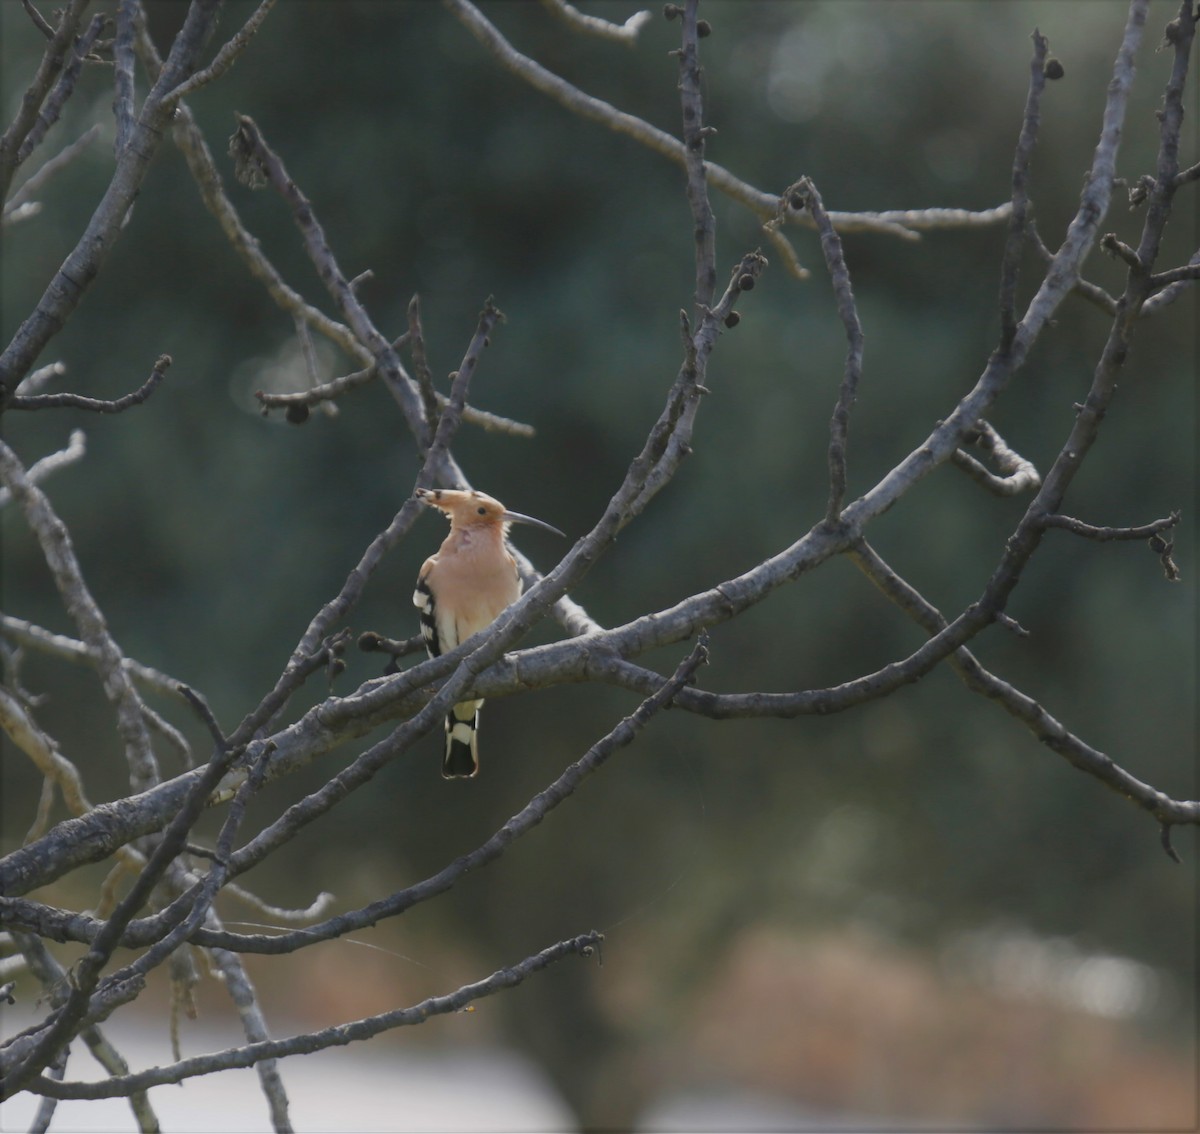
column 463, row 589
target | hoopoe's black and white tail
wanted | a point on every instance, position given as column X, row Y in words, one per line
column 461, row 760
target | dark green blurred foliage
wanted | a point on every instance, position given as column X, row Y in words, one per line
column 210, row 535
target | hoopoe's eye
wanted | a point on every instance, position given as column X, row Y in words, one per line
column 482, row 510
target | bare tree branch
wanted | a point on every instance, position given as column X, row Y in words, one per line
column 200, row 162
column 49, row 69
column 54, row 980
column 625, row 33
column 70, row 649
column 79, row 1008
column 765, row 205
column 49, row 168
column 95, row 405
column 226, row 57
column 84, row 262
column 128, row 12
column 1020, row 197
column 804, row 195
column 1171, row 292
column 40, row 470
column 56, row 546
column 584, row 945
column 1103, row 534
column 1017, row 474
column 252, row 157
column 36, row 379
column 63, row 88
column 695, row 134
column 39, row 21
column 1048, row 730
column 1185, row 273
column 254, row 1026
column 1061, row 278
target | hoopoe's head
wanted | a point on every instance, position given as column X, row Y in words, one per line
column 475, row 509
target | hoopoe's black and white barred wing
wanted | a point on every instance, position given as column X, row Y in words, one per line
column 426, row 606
column 461, row 758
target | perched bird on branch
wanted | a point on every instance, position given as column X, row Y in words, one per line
column 462, row 590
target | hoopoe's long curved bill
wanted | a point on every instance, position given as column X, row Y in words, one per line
column 520, row 518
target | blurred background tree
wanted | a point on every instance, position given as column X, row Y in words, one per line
column 925, row 830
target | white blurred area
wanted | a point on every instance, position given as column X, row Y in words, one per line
column 364, row 1089
column 1012, row 961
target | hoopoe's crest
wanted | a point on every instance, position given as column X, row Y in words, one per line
column 463, row 589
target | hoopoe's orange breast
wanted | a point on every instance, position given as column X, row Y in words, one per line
column 473, row 590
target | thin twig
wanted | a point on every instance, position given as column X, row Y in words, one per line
column 311, row 912
column 1010, row 265
column 905, row 222
column 83, row 264
column 1171, row 292
column 1185, row 273
column 1048, row 730
column 73, row 650
column 309, row 351
column 805, row 192
column 123, row 81
column 59, row 554
column 254, row 159
column 41, row 820
column 323, row 392
column 1093, row 293
column 1118, row 248
column 626, row 33
column 670, row 441
column 225, row 58
column 202, row 710
column 36, row 379
column 1091, row 413
column 584, row 945
column 63, row 89
column 1017, row 474
column 54, row 980
column 254, row 1026
column 40, row 470
column 188, row 137
column 491, row 422
column 336, row 387
column 50, row 67
column 39, row 21
column 50, row 167
column 95, row 405
column 695, row 134
column 67, row 1021
column 420, row 361
column 20, row 727
column 1104, row 534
